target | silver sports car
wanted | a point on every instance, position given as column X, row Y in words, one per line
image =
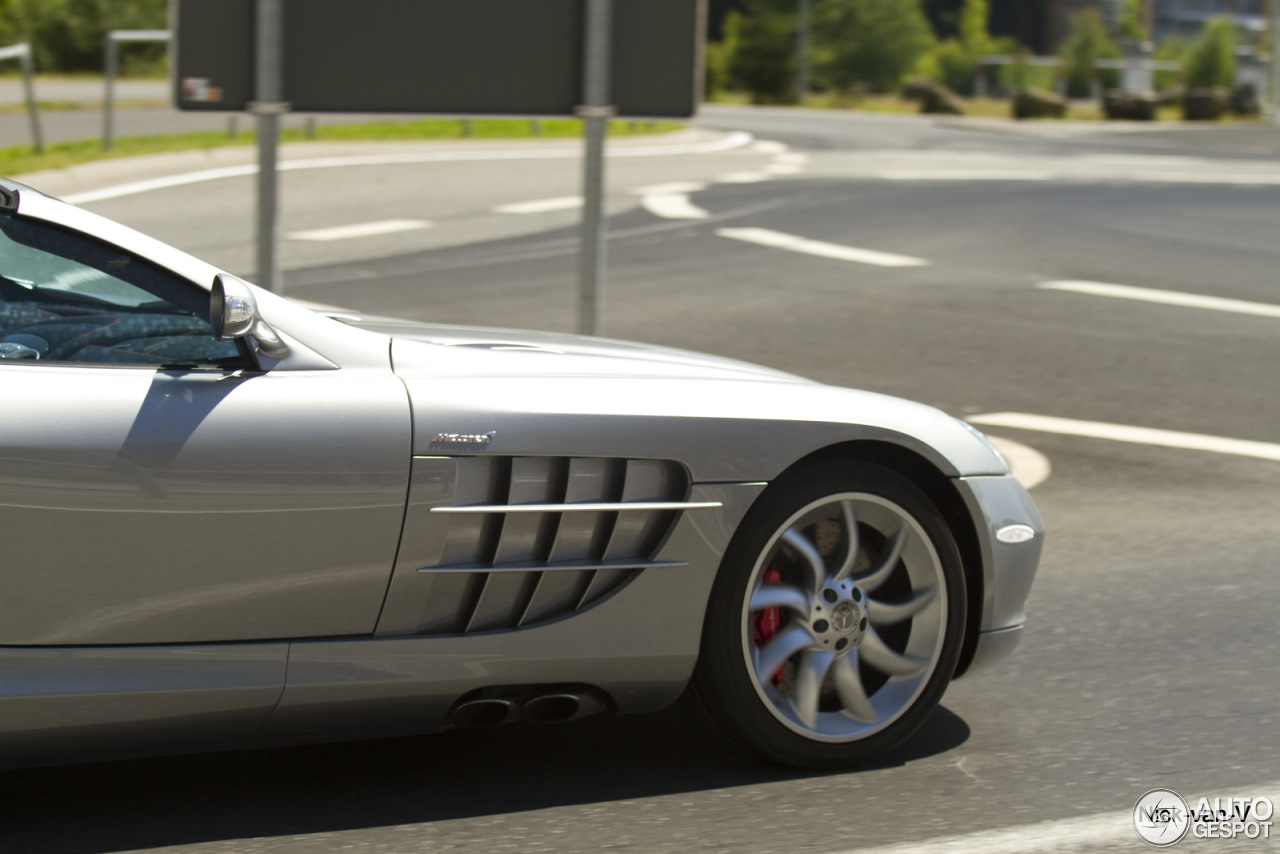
column 229, row 521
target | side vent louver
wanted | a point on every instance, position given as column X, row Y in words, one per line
column 525, row 540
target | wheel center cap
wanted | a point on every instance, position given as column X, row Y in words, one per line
column 845, row 617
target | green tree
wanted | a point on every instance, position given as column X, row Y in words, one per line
column 1172, row 49
column 1086, row 43
column 974, row 34
column 954, row 62
column 872, row 43
column 70, row 35
column 1211, row 60
column 759, row 50
column 1130, row 26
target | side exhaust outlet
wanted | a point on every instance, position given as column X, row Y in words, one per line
column 564, row 706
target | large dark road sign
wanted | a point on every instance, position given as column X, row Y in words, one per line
column 453, row 57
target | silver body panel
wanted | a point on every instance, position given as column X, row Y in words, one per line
column 305, row 552
column 266, row 512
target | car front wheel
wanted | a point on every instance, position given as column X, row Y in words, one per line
column 836, row 620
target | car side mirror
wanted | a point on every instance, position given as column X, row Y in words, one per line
column 233, row 313
column 232, row 308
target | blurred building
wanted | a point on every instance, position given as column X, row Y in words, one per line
column 1186, row 17
column 1043, row 24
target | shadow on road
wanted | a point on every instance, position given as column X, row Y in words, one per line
column 463, row 774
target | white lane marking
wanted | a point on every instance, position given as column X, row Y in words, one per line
column 1114, row 830
column 364, row 229
column 1135, row 435
column 1047, row 836
column 743, row 178
column 769, row 146
column 1244, row 178
column 1029, row 466
column 161, row 183
column 792, row 243
column 672, row 188
column 784, row 169
column 963, row 175
column 1178, row 298
column 793, row 157
column 737, row 139
column 673, row 206
column 562, row 203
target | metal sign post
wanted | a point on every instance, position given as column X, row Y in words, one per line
column 114, row 39
column 268, row 107
column 1275, row 62
column 22, row 53
column 595, row 111
column 591, row 58
column 802, row 51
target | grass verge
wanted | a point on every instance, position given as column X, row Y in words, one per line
column 20, row 159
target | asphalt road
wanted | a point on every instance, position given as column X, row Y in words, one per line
column 1150, row 656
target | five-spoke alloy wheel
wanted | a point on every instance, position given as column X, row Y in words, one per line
column 836, row 620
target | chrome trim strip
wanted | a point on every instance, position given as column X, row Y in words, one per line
column 612, row 507
column 560, row 567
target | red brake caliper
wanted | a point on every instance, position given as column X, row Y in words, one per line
column 769, row 620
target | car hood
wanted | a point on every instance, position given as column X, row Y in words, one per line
column 546, row 394
column 479, row 351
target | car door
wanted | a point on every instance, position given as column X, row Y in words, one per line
column 156, row 487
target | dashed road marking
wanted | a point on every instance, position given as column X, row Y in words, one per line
column 769, row 146
column 364, row 229
column 964, row 175
column 1134, row 435
column 1175, row 298
column 743, row 178
column 673, row 206
column 1028, row 465
column 561, row 203
column 670, row 188
column 784, row 169
column 792, row 243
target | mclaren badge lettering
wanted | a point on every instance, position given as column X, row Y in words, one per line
column 464, row 438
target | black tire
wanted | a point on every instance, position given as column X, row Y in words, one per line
column 831, row 702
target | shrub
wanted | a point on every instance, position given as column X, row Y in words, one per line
column 1211, row 60
column 950, row 64
column 759, row 51
column 1172, row 49
column 69, row 35
column 1087, row 42
column 872, row 43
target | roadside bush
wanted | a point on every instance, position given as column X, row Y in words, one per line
column 1020, row 76
column 1086, row 43
column 871, row 43
column 950, row 64
column 715, row 77
column 954, row 62
column 1130, row 26
column 1172, row 49
column 759, row 51
column 69, row 35
column 1211, row 60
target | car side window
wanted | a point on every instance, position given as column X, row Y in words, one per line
column 65, row 297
